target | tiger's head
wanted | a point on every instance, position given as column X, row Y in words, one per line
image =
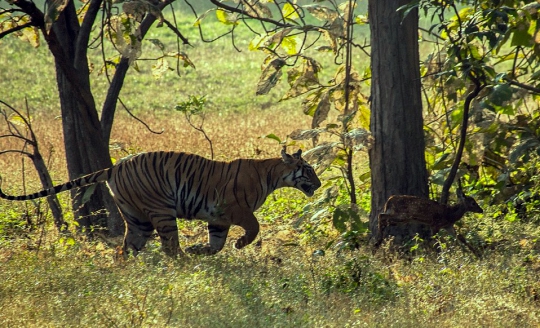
column 302, row 176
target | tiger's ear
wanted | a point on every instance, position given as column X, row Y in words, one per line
column 288, row 159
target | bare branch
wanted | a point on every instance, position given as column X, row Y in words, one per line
column 176, row 31
column 16, row 151
column 36, row 158
column 138, row 119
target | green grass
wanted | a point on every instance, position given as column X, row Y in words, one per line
column 82, row 285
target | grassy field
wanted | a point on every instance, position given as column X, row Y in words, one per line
column 283, row 280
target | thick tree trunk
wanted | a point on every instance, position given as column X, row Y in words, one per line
column 397, row 157
column 86, row 149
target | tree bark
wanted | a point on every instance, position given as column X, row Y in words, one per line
column 86, row 149
column 397, row 157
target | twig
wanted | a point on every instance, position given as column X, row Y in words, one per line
column 176, row 31
column 523, row 86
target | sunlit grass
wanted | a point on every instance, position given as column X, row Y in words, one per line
column 280, row 285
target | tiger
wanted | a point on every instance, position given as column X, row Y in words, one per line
column 153, row 189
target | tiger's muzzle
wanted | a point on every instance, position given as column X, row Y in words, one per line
column 309, row 187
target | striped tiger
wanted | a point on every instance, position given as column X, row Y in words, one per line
column 152, row 189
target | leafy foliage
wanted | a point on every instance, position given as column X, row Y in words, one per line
column 490, row 46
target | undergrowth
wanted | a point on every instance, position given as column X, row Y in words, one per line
column 272, row 283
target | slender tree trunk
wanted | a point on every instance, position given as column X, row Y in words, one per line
column 397, row 156
column 46, row 182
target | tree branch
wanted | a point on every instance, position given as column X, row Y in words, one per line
column 176, row 31
column 36, row 158
column 462, row 138
column 15, row 29
column 113, row 93
column 86, row 29
column 523, row 86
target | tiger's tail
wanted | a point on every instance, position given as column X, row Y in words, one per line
column 88, row 179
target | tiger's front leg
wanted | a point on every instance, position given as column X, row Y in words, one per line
column 217, row 235
column 247, row 220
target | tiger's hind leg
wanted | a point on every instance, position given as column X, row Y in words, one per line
column 135, row 238
column 167, row 230
column 217, row 235
column 138, row 230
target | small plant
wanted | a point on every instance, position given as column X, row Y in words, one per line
column 194, row 107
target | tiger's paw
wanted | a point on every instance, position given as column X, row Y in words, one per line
column 201, row 249
column 241, row 243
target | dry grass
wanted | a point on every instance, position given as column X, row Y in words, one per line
column 233, row 135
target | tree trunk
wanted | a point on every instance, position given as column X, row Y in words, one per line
column 86, row 149
column 46, row 182
column 397, row 157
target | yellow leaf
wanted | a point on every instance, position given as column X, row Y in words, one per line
column 290, row 44
column 226, row 17
column 200, row 18
column 31, row 35
column 17, row 120
column 289, row 11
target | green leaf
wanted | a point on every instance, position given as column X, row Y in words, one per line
column 535, row 75
column 522, row 149
column 338, row 220
column 521, row 36
column 88, row 193
column 439, row 176
column 440, row 163
column 157, row 43
column 258, row 41
column 406, row 9
column 273, row 137
column 290, row 44
column 501, row 93
column 365, row 177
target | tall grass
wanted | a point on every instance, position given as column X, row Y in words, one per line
column 289, row 278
